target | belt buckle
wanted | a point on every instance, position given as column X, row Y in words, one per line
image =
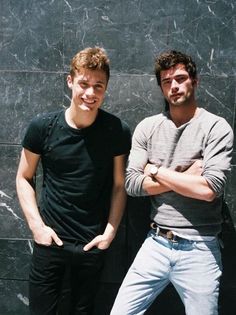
column 171, row 237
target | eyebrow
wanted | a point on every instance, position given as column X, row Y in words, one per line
column 175, row 76
column 101, row 82
column 97, row 82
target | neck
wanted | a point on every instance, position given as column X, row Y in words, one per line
column 78, row 118
column 181, row 115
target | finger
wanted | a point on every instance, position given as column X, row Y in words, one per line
column 57, row 240
column 88, row 246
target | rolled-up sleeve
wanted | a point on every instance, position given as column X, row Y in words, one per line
column 137, row 161
column 218, row 155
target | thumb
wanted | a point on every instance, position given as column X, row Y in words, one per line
column 57, row 240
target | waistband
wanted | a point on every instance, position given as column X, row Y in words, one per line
column 168, row 234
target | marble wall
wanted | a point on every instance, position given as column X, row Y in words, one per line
column 38, row 38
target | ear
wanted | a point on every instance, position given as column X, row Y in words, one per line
column 69, row 81
column 195, row 82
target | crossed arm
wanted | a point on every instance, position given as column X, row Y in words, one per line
column 190, row 183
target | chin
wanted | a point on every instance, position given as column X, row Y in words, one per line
column 85, row 108
column 178, row 102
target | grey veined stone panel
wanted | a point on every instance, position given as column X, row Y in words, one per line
column 15, row 255
column 133, row 32
column 22, row 96
column 31, row 35
column 12, row 219
column 14, row 297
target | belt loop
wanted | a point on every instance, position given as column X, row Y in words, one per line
column 154, row 226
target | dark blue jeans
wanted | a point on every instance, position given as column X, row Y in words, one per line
column 56, row 270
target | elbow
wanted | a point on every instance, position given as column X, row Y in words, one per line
column 22, row 181
column 134, row 185
column 18, row 181
column 208, row 192
column 209, row 195
column 131, row 191
column 149, row 191
column 128, row 191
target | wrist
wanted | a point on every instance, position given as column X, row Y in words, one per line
column 154, row 169
column 34, row 227
column 109, row 232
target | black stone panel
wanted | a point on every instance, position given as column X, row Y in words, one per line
column 205, row 30
column 217, row 94
column 12, row 219
column 15, row 258
column 230, row 196
column 31, row 35
column 133, row 32
column 22, row 96
column 133, row 97
column 119, row 26
column 14, row 297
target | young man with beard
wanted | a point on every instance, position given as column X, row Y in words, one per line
column 181, row 159
column 83, row 152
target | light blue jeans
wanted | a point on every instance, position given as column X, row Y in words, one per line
column 193, row 267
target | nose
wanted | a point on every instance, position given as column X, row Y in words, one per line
column 174, row 85
column 89, row 91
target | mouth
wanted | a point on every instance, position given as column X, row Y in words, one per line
column 89, row 102
column 176, row 95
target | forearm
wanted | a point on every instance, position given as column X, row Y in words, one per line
column 188, row 185
column 153, row 187
column 118, row 202
column 27, row 198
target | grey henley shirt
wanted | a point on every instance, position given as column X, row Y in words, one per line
column 157, row 140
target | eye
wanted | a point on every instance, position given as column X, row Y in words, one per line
column 181, row 79
column 166, row 82
column 99, row 87
column 83, row 84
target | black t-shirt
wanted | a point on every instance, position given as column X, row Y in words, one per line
column 77, row 171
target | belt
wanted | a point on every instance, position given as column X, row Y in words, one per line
column 168, row 234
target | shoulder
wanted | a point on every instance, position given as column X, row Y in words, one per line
column 38, row 130
column 149, row 124
column 112, row 122
column 44, row 119
column 154, row 119
column 214, row 122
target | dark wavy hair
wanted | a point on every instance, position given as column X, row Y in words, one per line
column 171, row 58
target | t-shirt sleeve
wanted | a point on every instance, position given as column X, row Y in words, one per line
column 33, row 138
column 122, row 140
